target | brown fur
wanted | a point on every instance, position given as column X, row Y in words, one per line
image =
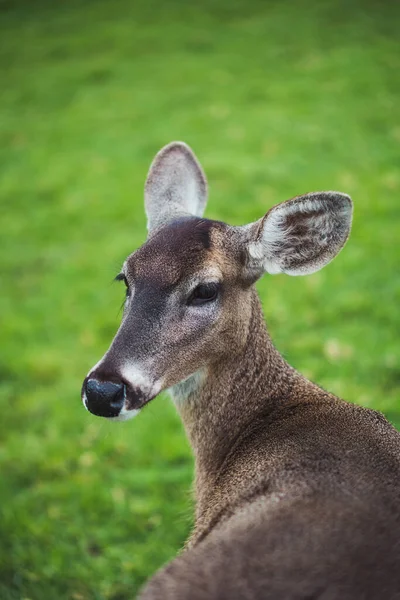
column 297, row 491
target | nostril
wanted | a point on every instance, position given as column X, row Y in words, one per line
column 104, row 398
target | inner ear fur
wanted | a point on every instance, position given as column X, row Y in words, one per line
column 302, row 235
column 176, row 186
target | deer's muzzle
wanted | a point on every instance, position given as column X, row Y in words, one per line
column 116, row 396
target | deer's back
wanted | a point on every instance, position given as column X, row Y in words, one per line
column 317, row 514
column 308, row 548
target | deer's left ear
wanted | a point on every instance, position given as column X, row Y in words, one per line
column 299, row 236
column 176, row 186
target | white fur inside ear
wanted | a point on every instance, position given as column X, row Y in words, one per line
column 176, row 186
column 272, row 237
column 302, row 235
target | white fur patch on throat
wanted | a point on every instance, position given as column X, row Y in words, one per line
column 181, row 392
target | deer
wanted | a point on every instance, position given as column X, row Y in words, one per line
column 297, row 491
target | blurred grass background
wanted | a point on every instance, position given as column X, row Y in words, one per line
column 277, row 99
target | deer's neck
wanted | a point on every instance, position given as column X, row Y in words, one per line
column 219, row 405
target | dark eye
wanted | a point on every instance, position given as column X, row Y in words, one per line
column 121, row 277
column 205, row 292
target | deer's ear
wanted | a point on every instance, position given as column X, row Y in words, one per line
column 299, row 236
column 175, row 186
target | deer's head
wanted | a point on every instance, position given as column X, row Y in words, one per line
column 188, row 287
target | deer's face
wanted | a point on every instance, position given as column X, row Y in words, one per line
column 184, row 295
column 188, row 285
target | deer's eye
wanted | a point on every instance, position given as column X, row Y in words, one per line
column 121, row 277
column 205, row 292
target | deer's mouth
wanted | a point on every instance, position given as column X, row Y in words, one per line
column 135, row 400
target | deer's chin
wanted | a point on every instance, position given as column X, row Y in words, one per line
column 125, row 415
column 132, row 408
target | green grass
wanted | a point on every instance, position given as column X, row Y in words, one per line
column 277, row 99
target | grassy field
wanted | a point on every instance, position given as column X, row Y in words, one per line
column 277, row 99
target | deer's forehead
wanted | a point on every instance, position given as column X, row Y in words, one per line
column 179, row 250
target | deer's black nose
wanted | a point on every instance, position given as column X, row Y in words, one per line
column 103, row 398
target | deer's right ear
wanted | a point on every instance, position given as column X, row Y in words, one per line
column 175, row 186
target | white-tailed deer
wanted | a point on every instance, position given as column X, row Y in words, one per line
column 298, row 492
